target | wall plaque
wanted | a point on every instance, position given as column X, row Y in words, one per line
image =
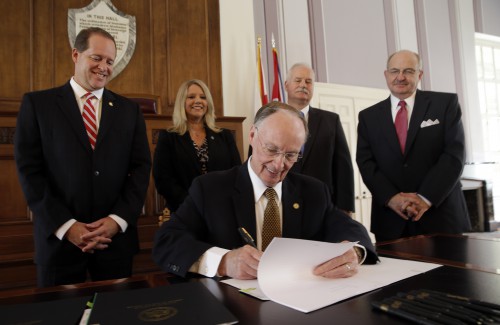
column 103, row 14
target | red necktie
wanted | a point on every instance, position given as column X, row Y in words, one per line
column 90, row 120
column 401, row 124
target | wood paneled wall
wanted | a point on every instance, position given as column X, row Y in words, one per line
column 176, row 40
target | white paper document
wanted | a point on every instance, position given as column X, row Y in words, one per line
column 285, row 274
column 249, row 287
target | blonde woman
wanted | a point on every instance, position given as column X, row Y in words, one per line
column 193, row 146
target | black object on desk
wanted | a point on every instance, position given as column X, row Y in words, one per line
column 402, row 313
column 183, row 303
column 434, row 307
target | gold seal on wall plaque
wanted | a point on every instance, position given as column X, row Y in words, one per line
column 103, row 14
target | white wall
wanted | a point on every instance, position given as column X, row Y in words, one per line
column 487, row 16
column 436, row 45
column 348, row 42
column 401, row 25
column 295, row 37
column 238, row 54
column 356, row 44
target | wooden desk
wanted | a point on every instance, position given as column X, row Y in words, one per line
column 453, row 250
column 357, row 310
column 467, row 272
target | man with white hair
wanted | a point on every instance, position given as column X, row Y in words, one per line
column 326, row 154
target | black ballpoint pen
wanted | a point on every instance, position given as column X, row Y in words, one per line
column 246, row 237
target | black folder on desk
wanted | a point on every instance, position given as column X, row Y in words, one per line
column 66, row 311
column 183, row 303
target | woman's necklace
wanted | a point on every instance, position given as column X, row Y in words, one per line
column 198, row 136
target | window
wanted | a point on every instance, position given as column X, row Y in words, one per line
column 488, row 75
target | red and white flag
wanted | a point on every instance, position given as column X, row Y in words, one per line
column 260, row 74
column 278, row 90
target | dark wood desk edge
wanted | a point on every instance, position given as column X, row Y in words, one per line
column 419, row 236
column 405, row 239
column 417, row 257
column 152, row 279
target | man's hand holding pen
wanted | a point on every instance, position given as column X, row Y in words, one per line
column 241, row 263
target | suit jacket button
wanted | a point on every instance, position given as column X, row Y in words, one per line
column 96, row 173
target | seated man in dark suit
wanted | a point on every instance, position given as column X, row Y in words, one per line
column 202, row 235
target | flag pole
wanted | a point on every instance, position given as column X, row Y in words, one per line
column 278, row 89
column 260, row 72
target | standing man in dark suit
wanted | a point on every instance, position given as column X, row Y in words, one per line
column 202, row 235
column 326, row 154
column 86, row 191
column 413, row 171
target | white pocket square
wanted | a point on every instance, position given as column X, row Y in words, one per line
column 429, row 122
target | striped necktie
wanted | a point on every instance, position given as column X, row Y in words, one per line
column 90, row 119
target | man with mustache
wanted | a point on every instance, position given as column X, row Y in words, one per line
column 202, row 235
column 83, row 161
column 411, row 154
column 326, row 154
